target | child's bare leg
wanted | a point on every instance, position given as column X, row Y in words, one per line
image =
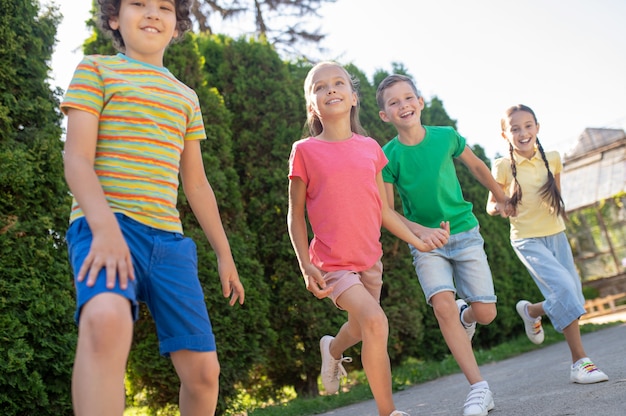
column 199, row 381
column 365, row 313
column 535, row 310
column 104, row 338
column 349, row 334
column 483, row 313
column 447, row 314
column 574, row 342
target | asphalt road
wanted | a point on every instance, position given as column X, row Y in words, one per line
column 532, row 384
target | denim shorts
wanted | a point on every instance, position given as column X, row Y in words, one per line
column 166, row 279
column 550, row 262
column 371, row 279
column 460, row 267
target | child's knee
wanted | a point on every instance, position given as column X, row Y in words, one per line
column 485, row 313
column 105, row 319
column 206, row 378
column 376, row 323
column 198, row 372
column 445, row 309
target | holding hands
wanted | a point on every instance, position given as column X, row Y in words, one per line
column 434, row 237
column 504, row 209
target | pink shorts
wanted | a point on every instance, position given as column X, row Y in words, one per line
column 371, row 279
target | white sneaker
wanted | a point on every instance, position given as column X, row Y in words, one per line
column 533, row 327
column 586, row 372
column 478, row 402
column 332, row 369
column 470, row 330
column 399, row 413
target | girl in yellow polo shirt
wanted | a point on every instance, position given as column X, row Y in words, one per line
column 530, row 176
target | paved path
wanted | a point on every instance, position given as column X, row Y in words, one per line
column 532, row 384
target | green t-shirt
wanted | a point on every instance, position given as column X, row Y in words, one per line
column 426, row 179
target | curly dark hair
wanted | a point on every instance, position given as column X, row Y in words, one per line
column 111, row 8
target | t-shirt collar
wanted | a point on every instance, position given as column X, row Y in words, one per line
column 520, row 159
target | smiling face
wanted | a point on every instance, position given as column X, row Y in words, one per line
column 147, row 27
column 401, row 105
column 329, row 92
column 520, row 129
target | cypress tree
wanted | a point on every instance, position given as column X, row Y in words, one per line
column 36, row 294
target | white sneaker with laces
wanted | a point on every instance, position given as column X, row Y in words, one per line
column 399, row 413
column 533, row 327
column 586, row 372
column 332, row 369
column 478, row 402
column 469, row 330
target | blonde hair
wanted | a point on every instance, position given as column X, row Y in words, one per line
column 313, row 121
column 549, row 191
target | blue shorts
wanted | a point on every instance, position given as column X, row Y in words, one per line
column 166, row 279
column 550, row 262
column 460, row 267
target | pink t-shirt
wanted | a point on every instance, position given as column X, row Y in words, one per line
column 342, row 200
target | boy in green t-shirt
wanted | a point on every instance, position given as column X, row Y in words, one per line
column 421, row 166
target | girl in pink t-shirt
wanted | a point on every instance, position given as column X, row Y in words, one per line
column 335, row 174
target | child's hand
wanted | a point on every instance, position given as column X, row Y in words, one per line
column 434, row 237
column 314, row 282
column 509, row 209
column 109, row 250
column 231, row 285
column 505, row 209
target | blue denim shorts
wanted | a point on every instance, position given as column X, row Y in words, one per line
column 550, row 262
column 460, row 267
column 166, row 279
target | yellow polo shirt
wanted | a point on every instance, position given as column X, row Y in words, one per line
column 535, row 217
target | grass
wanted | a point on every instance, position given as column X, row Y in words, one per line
column 355, row 389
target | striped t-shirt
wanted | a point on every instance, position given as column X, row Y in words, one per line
column 145, row 115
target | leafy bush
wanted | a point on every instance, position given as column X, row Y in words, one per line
column 36, row 295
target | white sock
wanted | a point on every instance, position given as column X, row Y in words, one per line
column 582, row 360
column 463, row 321
column 480, row 385
column 528, row 314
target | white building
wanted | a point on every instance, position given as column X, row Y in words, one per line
column 593, row 185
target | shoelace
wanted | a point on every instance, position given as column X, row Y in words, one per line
column 476, row 397
column 537, row 327
column 339, row 370
column 588, row 367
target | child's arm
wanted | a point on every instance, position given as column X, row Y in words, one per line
column 393, row 222
column 204, row 206
column 298, row 234
column 493, row 208
column 108, row 248
column 482, row 173
column 433, row 237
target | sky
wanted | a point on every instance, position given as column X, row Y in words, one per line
column 566, row 59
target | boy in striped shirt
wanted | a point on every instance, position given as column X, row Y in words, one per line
column 132, row 129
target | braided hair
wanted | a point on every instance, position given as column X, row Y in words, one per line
column 549, row 191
